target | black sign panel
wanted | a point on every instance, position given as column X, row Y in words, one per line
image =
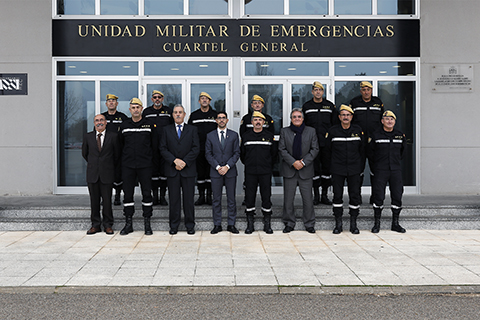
column 237, row 37
column 13, row 84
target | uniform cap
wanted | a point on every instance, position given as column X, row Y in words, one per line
column 389, row 113
column 204, row 94
column 258, row 98
column 257, row 114
column 365, row 84
column 317, row 84
column 157, row 92
column 136, row 101
column 345, row 107
column 111, row 96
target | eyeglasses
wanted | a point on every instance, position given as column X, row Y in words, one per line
column 157, row 97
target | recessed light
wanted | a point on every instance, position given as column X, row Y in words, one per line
column 126, row 67
column 396, row 67
column 174, row 69
column 203, row 65
column 72, row 67
column 264, row 65
column 382, row 72
column 83, row 71
column 342, row 66
column 292, row 69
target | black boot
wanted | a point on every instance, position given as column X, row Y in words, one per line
column 377, row 214
column 267, row 223
column 338, row 225
column 250, row 222
column 148, row 228
column 353, row 223
column 128, row 226
column 155, row 196
column 208, row 198
column 201, row 196
column 162, row 200
column 324, row 198
column 116, row 200
column 395, row 226
column 316, row 196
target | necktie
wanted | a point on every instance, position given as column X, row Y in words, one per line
column 222, row 139
column 179, row 132
column 99, row 142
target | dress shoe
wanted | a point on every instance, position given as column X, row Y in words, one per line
column 93, row 230
column 287, row 229
column 173, row 231
column 109, row 230
column 191, row 231
column 216, row 229
column 232, row 229
column 310, row 229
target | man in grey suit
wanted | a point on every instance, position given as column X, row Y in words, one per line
column 222, row 151
column 298, row 148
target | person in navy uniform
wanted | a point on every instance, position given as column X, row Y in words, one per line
column 222, row 151
column 386, row 147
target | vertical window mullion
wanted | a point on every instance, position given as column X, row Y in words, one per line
column 186, row 5
column 374, row 8
column 97, row 7
column 141, row 7
column 286, row 7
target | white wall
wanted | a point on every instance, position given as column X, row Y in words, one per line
column 26, row 152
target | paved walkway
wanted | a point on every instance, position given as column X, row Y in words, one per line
column 71, row 258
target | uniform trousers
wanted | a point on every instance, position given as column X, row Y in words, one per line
column 144, row 176
column 252, row 181
column 395, row 184
column 230, row 186
column 353, row 186
column 99, row 190
column 289, row 190
column 181, row 189
column 321, row 166
column 203, row 170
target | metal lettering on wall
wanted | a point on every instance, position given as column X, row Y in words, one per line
column 13, row 84
column 237, row 37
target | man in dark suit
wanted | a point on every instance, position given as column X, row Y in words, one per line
column 180, row 146
column 222, row 151
column 298, row 148
column 101, row 150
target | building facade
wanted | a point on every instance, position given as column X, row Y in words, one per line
column 61, row 57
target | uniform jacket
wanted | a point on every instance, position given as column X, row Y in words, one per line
column 367, row 115
column 101, row 165
column 258, row 152
column 385, row 150
column 205, row 122
column 246, row 123
column 139, row 144
column 218, row 156
column 160, row 117
column 309, row 152
column 114, row 120
column 346, row 149
column 320, row 116
column 186, row 148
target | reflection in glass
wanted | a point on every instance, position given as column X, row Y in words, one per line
column 172, row 93
column 309, row 7
column 302, row 93
column 387, row 68
column 208, row 7
column 75, row 6
column 399, row 96
column 186, row 68
column 129, row 7
column 124, row 90
column 97, row 68
column 163, row 7
column 353, row 7
column 396, row 7
column 76, row 109
column 215, row 90
column 264, row 7
column 281, row 68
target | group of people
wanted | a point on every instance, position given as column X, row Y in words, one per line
column 321, row 147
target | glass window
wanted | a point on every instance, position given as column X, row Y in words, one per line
column 172, row 93
column 97, row 68
column 124, row 90
column 163, row 7
column 309, row 7
column 186, row 68
column 302, row 93
column 76, row 109
column 264, row 7
column 395, row 68
column 215, row 90
column 110, row 7
column 353, row 7
column 75, row 6
column 292, row 68
column 208, row 7
column 396, row 7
